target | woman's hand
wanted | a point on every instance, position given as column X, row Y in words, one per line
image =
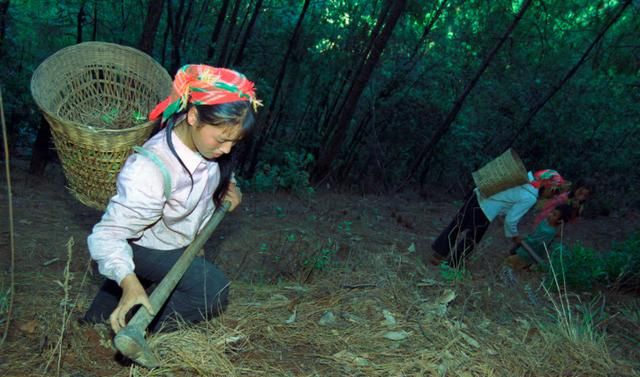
column 233, row 195
column 132, row 294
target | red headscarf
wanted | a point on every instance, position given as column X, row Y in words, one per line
column 205, row 85
column 548, row 178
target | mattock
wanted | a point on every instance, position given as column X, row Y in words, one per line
column 130, row 340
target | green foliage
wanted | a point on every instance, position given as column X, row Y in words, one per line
column 623, row 265
column 291, row 176
column 5, row 298
column 581, row 267
column 578, row 267
column 451, row 274
column 589, row 125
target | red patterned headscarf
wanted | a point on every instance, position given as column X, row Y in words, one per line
column 548, row 178
column 205, row 85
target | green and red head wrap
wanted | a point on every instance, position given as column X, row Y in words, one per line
column 548, row 178
column 201, row 84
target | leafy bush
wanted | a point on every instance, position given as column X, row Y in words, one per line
column 577, row 267
column 581, row 267
column 291, row 176
column 623, row 263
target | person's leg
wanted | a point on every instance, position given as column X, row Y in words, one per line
column 200, row 294
column 475, row 223
column 104, row 303
column 446, row 241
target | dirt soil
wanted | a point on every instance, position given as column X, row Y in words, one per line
column 271, row 239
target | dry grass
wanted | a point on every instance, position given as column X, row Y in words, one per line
column 275, row 331
column 475, row 326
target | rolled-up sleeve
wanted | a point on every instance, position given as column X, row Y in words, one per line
column 137, row 205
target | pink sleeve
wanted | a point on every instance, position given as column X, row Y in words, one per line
column 549, row 206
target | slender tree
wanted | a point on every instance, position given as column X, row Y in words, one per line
column 247, row 33
column 150, row 27
column 222, row 58
column 556, row 88
column 329, row 152
column 269, row 118
column 340, row 100
column 217, row 29
column 178, row 22
column 4, row 14
column 389, row 88
column 427, row 151
column 80, row 18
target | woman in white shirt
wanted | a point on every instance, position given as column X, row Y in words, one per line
column 147, row 225
column 466, row 229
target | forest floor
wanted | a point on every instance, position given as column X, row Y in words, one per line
column 330, row 285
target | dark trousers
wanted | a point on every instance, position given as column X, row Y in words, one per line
column 465, row 230
column 200, row 294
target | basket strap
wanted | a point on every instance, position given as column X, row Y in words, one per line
column 156, row 160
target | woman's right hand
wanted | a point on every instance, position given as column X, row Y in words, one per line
column 132, row 294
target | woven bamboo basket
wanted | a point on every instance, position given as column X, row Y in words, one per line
column 502, row 173
column 96, row 97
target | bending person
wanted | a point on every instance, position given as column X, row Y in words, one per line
column 457, row 241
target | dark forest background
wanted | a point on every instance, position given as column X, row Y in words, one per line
column 378, row 95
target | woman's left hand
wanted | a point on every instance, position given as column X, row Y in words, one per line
column 233, row 195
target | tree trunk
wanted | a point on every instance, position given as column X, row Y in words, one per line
column 41, row 148
column 40, row 153
column 556, row 88
column 270, row 114
column 216, row 30
column 390, row 87
column 150, row 28
column 222, row 58
column 331, row 122
column 334, row 143
column 94, row 33
column 247, row 33
column 178, row 23
column 4, row 15
column 428, row 150
column 80, row 22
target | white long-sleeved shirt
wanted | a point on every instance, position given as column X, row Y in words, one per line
column 140, row 212
column 512, row 203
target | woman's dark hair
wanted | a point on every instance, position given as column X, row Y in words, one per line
column 582, row 183
column 222, row 115
column 566, row 212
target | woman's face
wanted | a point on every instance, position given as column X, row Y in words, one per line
column 549, row 192
column 554, row 217
column 212, row 141
column 582, row 194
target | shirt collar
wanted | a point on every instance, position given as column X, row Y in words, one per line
column 190, row 158
column 529, row 187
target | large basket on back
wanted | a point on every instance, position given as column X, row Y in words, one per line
column 96, row 97
column 504, row 172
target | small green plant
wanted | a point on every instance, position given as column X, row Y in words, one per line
column 580, row 267
column 264, row 249
column 322, row 259
column 345, row 227
column 291, row 175
column 5, row 298
column 452, row 274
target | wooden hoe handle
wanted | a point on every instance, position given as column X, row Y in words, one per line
column 130, row 340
